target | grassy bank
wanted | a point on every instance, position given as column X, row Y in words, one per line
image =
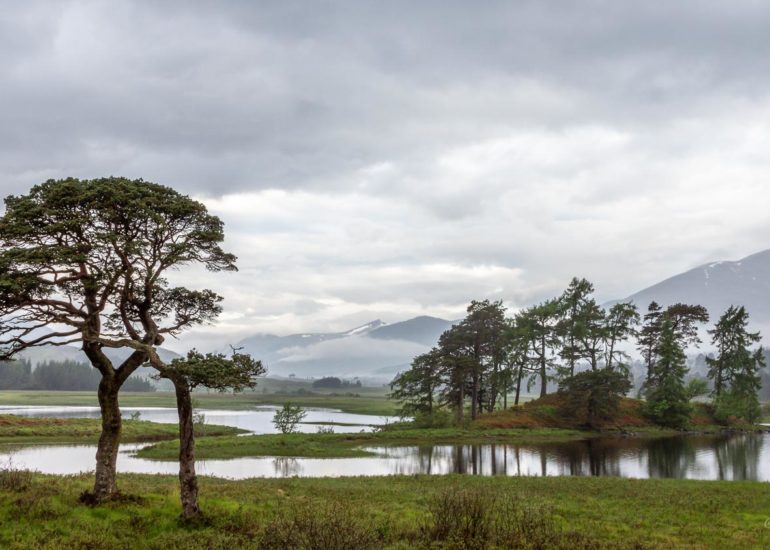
column 362, row 402
column 536, row 421
column 25, row 430
column 392, row 512
column 349, row 445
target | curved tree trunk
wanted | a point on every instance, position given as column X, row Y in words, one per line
column 105, row 484
column 188, row 481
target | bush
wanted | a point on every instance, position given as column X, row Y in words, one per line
column 439, row 418
column 320, row 526
column 729, row 408
column 287, row 418
column 14, row 479
column 476, row 518
column 593, row 397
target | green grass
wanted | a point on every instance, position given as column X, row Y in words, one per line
column 364, row 401
column 25, row 430
column 349, row 445
column 393, row 511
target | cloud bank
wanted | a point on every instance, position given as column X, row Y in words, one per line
column 393, row 159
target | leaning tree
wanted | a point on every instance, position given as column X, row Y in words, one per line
column 84, row 262
column 213, row 371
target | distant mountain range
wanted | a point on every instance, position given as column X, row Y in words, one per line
column 375, row 350
column 716, row 286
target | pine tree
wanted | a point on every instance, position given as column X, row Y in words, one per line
column 647, row 341
column 735, row 368
column 667, row 399
column 572, row 305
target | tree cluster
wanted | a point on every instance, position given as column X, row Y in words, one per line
column 582, row 348
column 65, row 375
column 487, row 355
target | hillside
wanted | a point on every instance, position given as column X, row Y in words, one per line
column 716, row 286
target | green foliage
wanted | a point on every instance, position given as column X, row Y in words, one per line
column 74, row 251
column 319, row 526
column 594, row 396
column 438, row 418
column 475, row 518
column 13, row 479
column 286, row 419
column 696, row 387
column 684, row 320
column 736, row 369
column 732, row 407
column 667, row 399
column 215, row 371
column 416, row 388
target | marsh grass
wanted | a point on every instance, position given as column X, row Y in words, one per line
column 14, row 479
column 392, row 512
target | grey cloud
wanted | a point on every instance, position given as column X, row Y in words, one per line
column 400, row 158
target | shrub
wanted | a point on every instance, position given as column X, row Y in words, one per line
column 730, row 405
column 287, row 418
column 14, row 479
column 593, row 397
column 439, row 418
column 320, row 526
column 476, row 518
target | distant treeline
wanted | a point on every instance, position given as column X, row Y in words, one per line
column 332, row 382
column 59, row 375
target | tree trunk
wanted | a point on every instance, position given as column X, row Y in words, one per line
column 543, row 372
column 505, row 394
column 474, row 396
column 461, row 402
column 518, row 385
column 105, row 484
column 188, row 481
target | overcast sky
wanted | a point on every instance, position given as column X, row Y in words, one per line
column 393, row 159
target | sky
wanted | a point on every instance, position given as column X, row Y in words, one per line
column 391, row 159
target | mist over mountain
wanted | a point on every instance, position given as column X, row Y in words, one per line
column 716, row 286
column 375, row 350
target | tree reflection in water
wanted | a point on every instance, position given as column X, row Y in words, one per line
column 286, row 466
column 722, row 456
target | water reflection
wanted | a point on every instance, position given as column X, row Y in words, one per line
column 725, row 456
column 258, row 420
column 286, row 466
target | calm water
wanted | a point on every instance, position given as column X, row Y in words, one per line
column 258, row 420
column 727, row 457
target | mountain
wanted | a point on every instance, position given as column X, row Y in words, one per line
column 716, row 286
column 375, row 350
column 422, row 330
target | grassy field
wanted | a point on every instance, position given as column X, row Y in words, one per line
column 388, row 512
column 348, row 445
column 363, row 401
column 24, row 430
